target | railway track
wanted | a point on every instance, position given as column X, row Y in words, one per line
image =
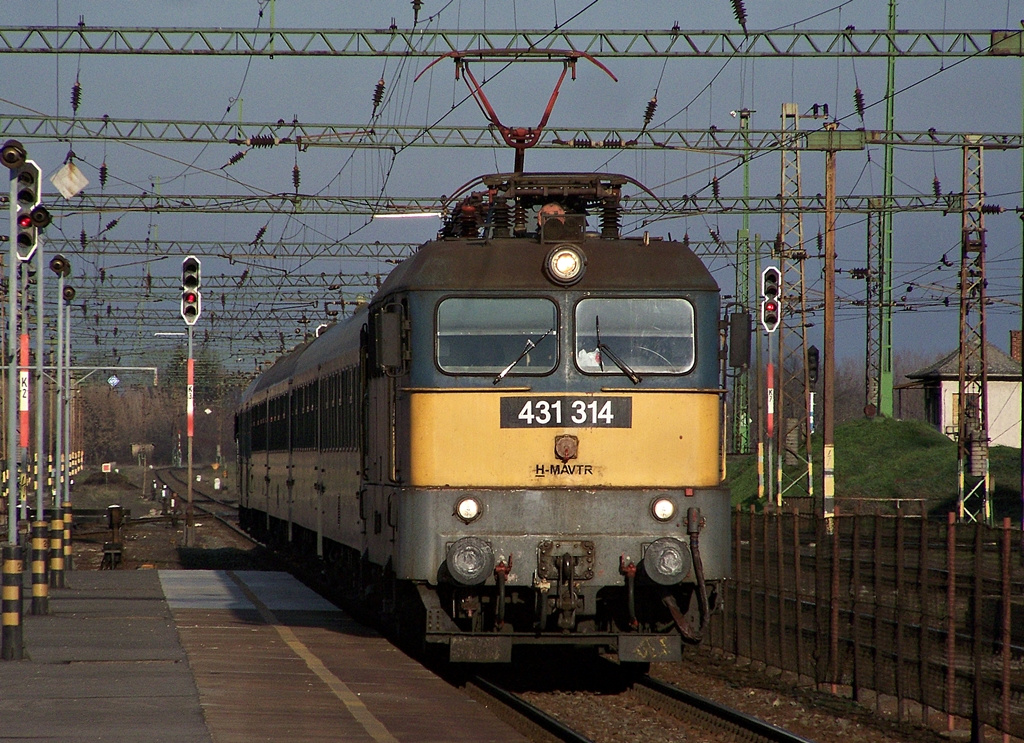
column 224, row 511
column 690, row 707
column 595, row 700
column 527, row 718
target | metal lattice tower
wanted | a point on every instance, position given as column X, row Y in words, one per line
column 741, row 384
column 794, row 473
column 873, row 311
column 972, row 408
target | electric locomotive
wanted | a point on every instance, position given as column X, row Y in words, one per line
column 518, row 441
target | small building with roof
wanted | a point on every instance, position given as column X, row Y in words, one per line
column 941, row 384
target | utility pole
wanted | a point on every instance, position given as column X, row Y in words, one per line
column 830, row 140
column 885, row 376
column 973, row 502
column 828, row 489
column 873, row 277
column 741, row 383
column 792, row 399
column 191, row 308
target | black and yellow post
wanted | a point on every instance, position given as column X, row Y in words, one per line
column 40, row 588
column 69, row 557
column 11, row 602
column 57, row 552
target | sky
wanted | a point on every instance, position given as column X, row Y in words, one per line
column 981, row 94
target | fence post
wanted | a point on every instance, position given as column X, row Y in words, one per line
column 977, row 734
column 833, row 624
column 821, row 611
column 1005, row 628
column 876, row 621
column 798, row 583
column 766, row 621
column 950, row 620
column 855, row 607
column 900, row 559
column 737, row 566
column 779, row 592
column 750, row 581
column 924, row 615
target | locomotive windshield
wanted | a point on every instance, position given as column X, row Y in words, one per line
column 484, row 336
column 653, row 336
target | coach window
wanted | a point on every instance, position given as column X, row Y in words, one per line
column 483, row 336
column 652, row 336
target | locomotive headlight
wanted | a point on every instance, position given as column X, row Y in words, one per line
column 667, row 561
column 470, row 561
column 565, row 265
column 468, row 509
column 663, row 509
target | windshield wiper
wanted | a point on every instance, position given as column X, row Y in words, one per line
column 530, row 345
column 603, row 347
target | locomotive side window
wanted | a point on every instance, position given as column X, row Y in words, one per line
column 484, row 336
column 653, row 336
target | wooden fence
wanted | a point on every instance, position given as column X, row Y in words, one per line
column 909, row 608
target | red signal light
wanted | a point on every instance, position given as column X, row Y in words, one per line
column 24, row 221
column 771, row 307
column 190, row 297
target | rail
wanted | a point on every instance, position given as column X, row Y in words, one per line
column 687, row 705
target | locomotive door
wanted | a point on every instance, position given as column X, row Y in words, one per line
column 387, row 362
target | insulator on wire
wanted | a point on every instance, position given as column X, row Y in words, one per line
column 715, row 187
column 936, row 187
column 236, row 157
column 296, row 177
column 991, row 209
column 416, row 5
column 686, row 240
column 652, row 106
column 378, row 95
column 149, row 282
column 76, row 96
column 110, row 225
column 103, row 275
column 83, row 240
column 103, row 174
column 858, row 102
column 259, row 236
column 741, row 14
column 262, row 140
column 821, row 242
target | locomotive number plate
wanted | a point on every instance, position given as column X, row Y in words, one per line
column 561, row 412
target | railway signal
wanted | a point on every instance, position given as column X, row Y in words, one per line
column 30, row 217
column 812, row 364
column 191, row 297
column 771, row 302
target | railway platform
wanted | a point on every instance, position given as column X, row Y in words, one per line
column 214, row 655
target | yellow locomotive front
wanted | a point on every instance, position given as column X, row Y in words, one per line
column 543, row 458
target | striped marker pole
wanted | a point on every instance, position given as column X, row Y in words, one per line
column 40, row 588
column 69, row 557
column 11, row 602
column 57, row 552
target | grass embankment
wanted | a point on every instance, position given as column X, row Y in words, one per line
column 889, row 459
